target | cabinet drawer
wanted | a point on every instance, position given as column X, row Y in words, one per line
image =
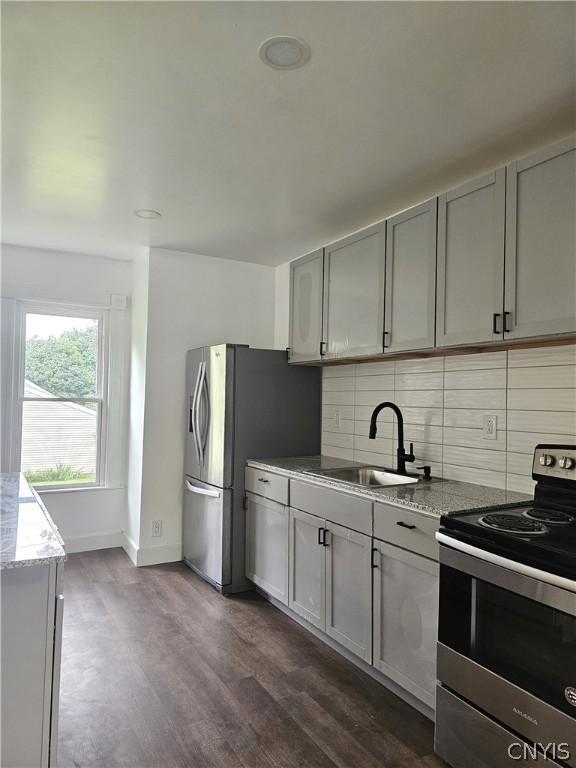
column 267, row 484
column 406, row 529
column 332, row 505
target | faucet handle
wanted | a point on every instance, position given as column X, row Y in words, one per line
column 427, row 471
column 410, row 456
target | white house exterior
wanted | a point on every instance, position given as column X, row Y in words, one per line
column 57, row 433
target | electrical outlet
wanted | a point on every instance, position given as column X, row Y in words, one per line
column 489, row 426
column 338, row 419
column 156, row 528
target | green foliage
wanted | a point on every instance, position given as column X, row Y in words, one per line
column 61, row 473
column 64, row 365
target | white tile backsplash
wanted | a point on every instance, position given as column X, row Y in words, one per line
column 532, row 392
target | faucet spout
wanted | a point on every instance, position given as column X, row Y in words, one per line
column 401, row 456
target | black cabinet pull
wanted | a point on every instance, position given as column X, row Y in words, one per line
column 322, row 348
column 325, row 540
column 385, row 334
column 321, row 536
column 372, row 563
column 495, row 320
column 402, row 524
column 506, row 316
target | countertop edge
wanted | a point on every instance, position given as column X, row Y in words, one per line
column 461, row 502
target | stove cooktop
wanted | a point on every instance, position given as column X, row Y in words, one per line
column 542, row 537
column 541, row 533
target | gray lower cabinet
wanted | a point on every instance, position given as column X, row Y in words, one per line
column 540, row 243
column 330, row 580
column 354, row 294
column 348, row 589
column 31, row 633
column 307, row 571
column 267, row 537
column 406, row 619
column 411, row 278
column 306, row 296
column 470, row 278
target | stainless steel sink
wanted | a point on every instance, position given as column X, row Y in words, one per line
column 366, row 476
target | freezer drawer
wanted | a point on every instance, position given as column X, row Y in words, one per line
column 206, row 535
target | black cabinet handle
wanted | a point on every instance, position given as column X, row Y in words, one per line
column 263, row 480
column 322, row 348
column 495, row 320
column 325, row 540
column 321, row 536
column 402, row 524
column 372, row 563
column 385, row 334
column 506, row 316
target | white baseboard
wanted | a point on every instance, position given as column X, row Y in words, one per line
column 92, row 541
column 154, row 555
column 130, row 547
column 160, row 553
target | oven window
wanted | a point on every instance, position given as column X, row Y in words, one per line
column 527, row 643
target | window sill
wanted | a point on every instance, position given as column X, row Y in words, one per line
column 76, row 489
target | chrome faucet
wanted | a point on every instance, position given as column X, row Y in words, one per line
column 402, row 456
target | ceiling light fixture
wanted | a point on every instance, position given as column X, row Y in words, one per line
column 283, row 52
column 147, row 213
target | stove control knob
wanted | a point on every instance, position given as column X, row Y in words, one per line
column 547, row 460
column 567, row 462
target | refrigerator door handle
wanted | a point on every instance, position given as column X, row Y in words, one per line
column 197, row 396
column 205, row 399
column 193, row 412
column 202, row 491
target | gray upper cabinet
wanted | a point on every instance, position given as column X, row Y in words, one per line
column 540, row 243
column 470, row 278
column 470, row 281
column 354, row 294
column 306, row 290
column 411, row 278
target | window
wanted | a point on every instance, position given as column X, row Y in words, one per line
column 64, row 376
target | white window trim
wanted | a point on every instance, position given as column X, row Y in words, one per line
column 24, row 307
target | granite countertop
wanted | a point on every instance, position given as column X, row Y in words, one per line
column 438, row 497
column 28, row 535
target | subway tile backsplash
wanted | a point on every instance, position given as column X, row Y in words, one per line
column 532, row 393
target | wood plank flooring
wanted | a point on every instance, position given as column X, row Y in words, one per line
column 160, row 670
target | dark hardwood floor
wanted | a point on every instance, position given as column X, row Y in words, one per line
column 160, row 670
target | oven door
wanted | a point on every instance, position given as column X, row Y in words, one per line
column 507, row 642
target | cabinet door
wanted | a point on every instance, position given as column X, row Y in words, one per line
column 306, row 292
column 307, row 578
column 470, row 291
column 540, row 243
column 354, row 294
column 267, row 534
column 406, row 619
column 349, row 589
column 411, row 278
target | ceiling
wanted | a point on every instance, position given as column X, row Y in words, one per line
column 113, row 106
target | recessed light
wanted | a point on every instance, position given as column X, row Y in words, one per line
column 283, row 52
column 147, row 213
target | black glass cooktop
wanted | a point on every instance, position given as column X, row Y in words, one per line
column 536, row 535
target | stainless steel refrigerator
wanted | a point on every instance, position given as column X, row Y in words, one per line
column 241, row 403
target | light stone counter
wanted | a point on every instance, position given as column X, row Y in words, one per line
column 28, row 536
column 438, row 497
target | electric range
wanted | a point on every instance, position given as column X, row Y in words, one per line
column 507, row 626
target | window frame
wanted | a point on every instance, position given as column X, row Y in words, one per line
column 101, row 397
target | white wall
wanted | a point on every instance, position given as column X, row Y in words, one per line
column 90, row 518
column 192, row 301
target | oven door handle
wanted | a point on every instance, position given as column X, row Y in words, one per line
column 504, row 562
